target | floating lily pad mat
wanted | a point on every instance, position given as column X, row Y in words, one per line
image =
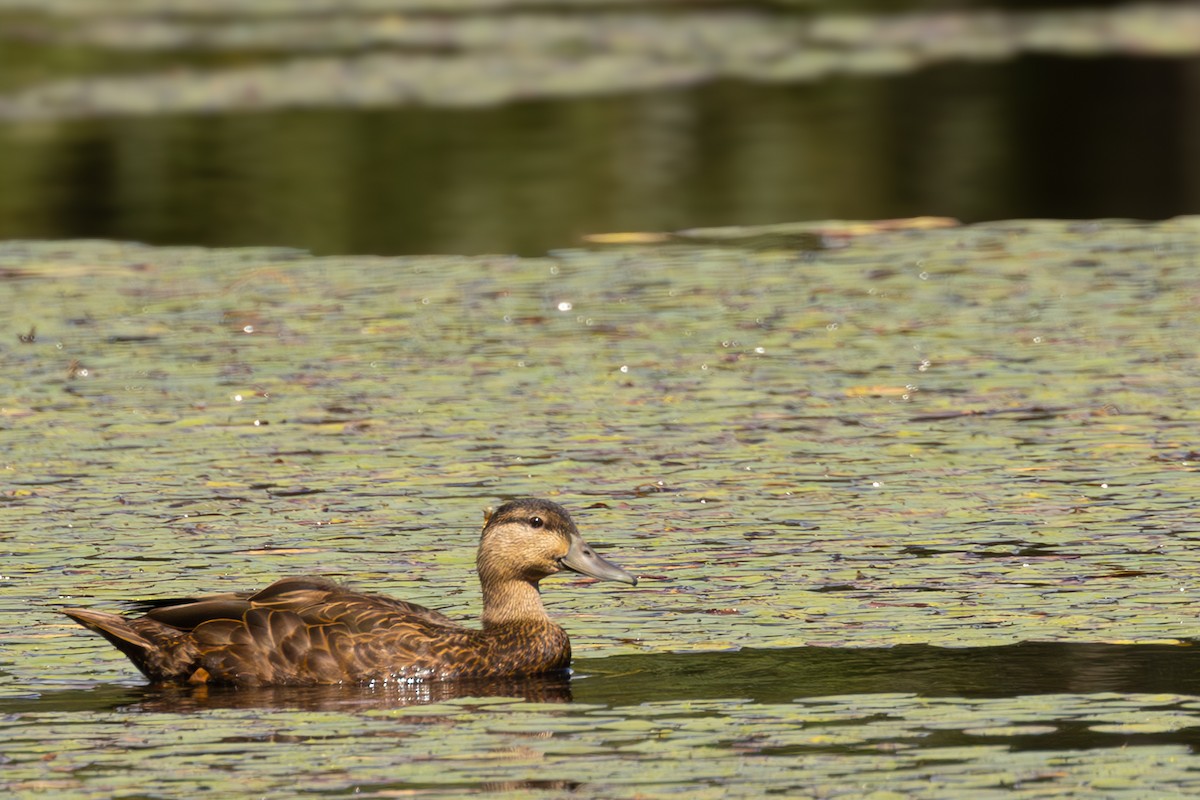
column 99, row 58
column 914, row 510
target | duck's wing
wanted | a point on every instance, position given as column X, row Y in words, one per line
column 309, row 596
column 300, row 630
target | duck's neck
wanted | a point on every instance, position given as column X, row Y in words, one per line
column 512, row 601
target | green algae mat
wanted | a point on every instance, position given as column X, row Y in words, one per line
column 914, row 510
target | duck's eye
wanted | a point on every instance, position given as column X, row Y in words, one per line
column 536, row 522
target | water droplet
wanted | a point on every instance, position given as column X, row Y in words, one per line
column 565, row 306
column 624, row 368
column 760, row 350
column 248, row 329
column 237, row 398
column 1037, row 340
column 424, row 301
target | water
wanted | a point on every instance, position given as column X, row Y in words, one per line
column 746, row 723
column 972, row 141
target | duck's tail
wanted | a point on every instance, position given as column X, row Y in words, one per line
column 118, row 632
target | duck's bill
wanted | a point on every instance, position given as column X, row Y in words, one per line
column 582, row 559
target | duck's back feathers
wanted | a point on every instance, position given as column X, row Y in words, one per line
column 303, row 594
column 308, row 630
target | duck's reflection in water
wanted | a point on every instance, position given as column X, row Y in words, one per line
column 174, row 698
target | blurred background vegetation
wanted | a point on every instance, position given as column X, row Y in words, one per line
column 472, row 126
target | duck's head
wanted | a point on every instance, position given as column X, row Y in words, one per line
column 530, row 539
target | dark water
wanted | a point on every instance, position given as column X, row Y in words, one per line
column 1030, row 137
column 781, row 676
column 754, row 674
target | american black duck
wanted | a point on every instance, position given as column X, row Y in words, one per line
column 310, row 630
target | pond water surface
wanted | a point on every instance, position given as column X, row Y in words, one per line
column 394, row 126
column 914, row 513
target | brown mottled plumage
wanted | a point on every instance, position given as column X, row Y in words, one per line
column 308, row 630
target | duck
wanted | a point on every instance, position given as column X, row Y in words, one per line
column 309, row 630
